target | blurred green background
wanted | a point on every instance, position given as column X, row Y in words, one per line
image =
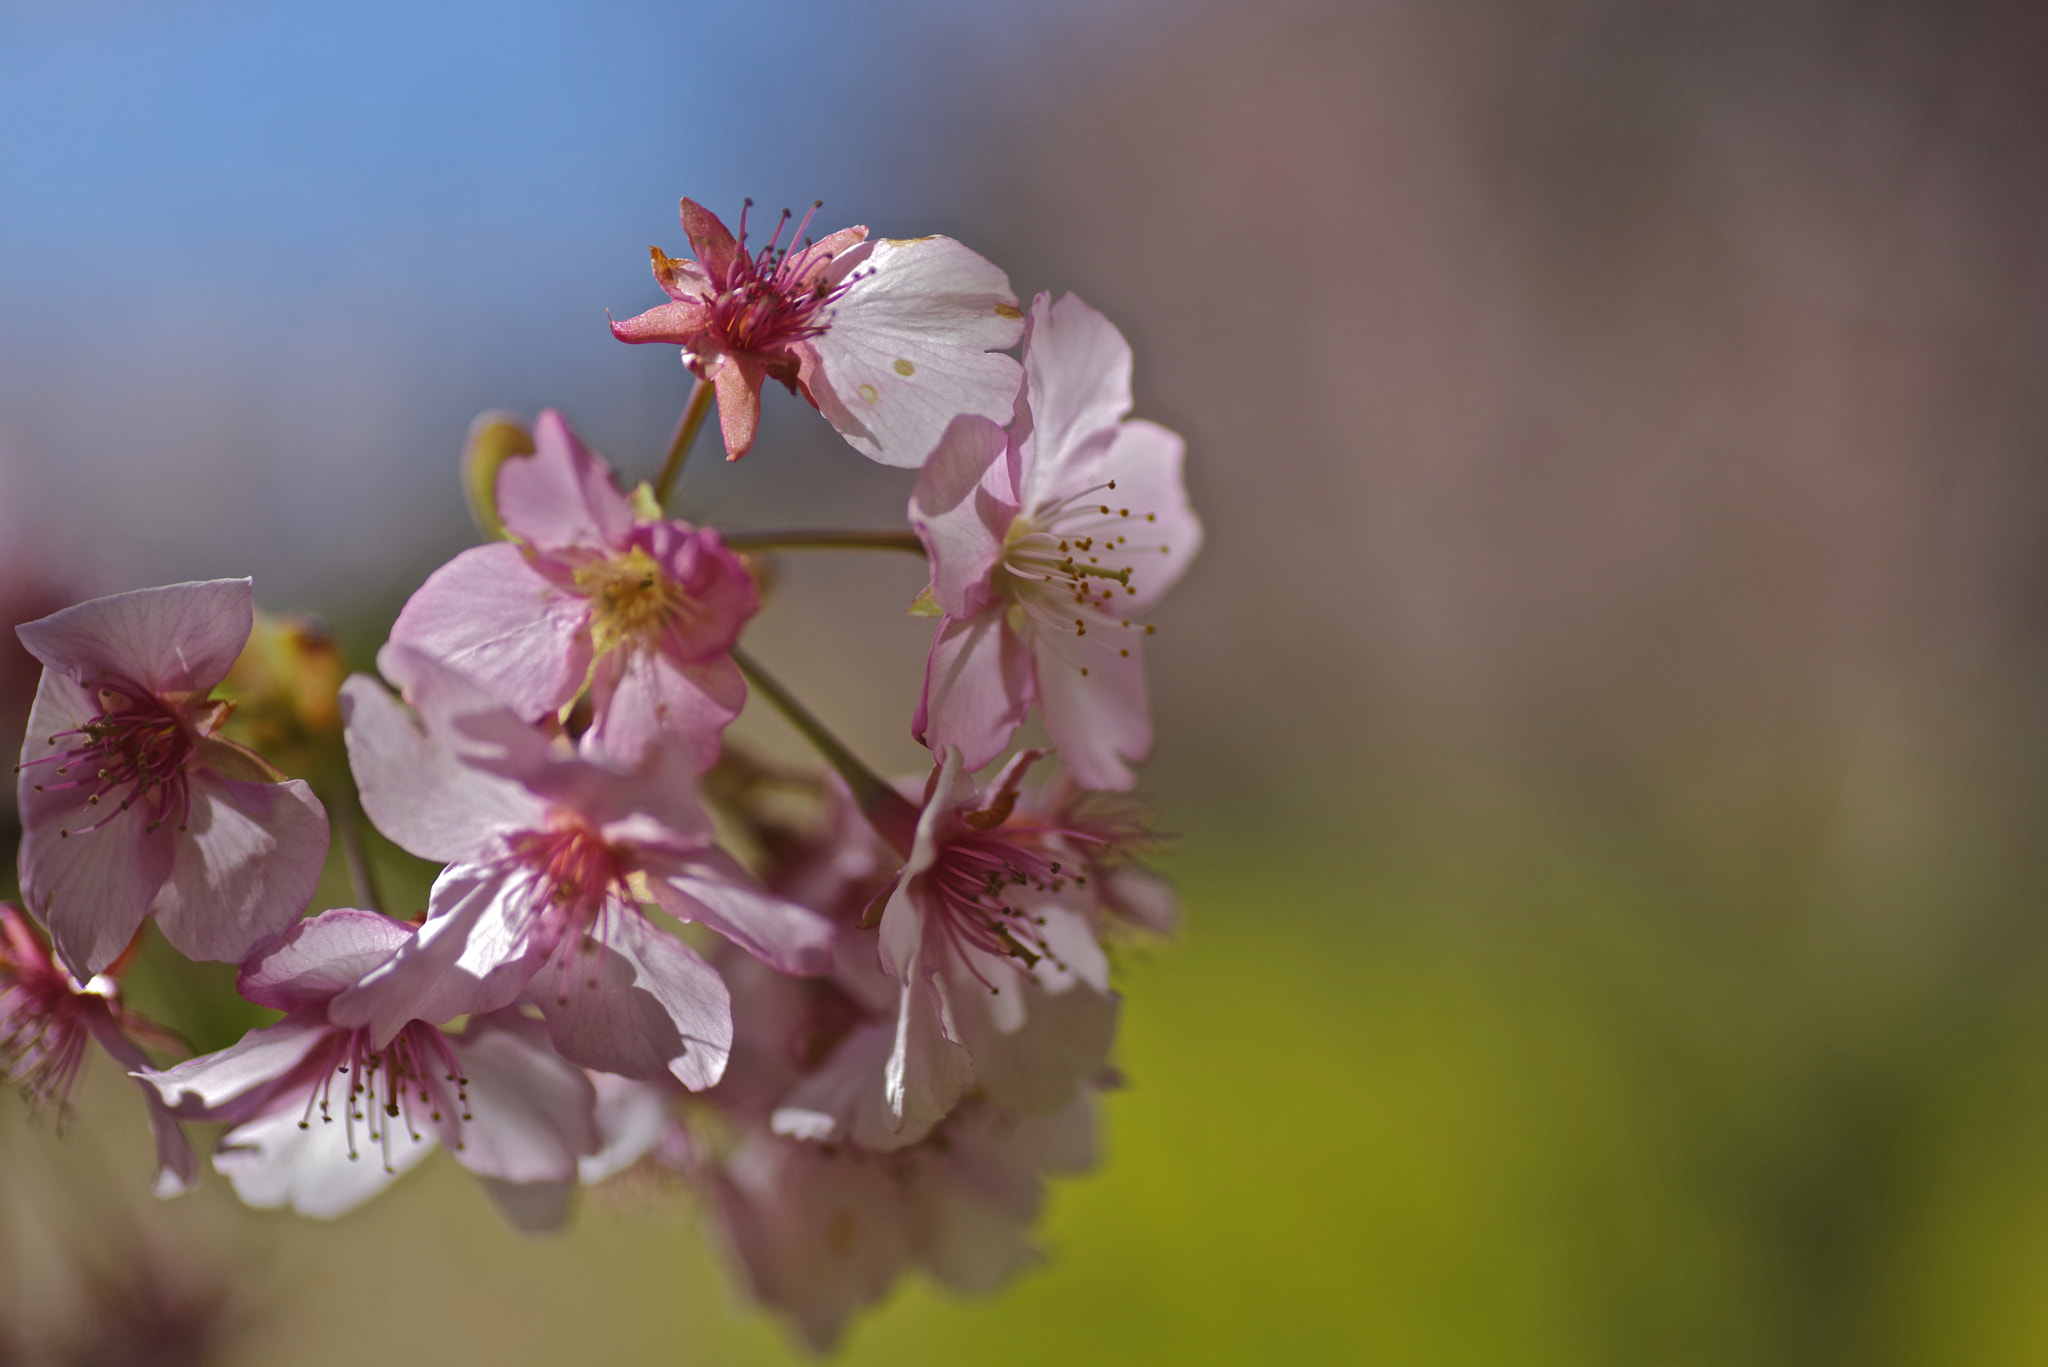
column 1606, row 737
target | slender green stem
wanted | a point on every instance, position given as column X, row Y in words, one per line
column 685, row 436
column 887, row 810
column 349, row 822
column 825, row 541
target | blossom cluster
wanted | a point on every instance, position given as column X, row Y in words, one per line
column 865, row 1019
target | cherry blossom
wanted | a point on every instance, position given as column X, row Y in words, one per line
column 1048, row 544
column 549, row 854
column 323, row 1117
column 641, row 607
column 48, row 1018
column 889, row 339
column 132, row 804
column 986, row 928
column 821, row 1233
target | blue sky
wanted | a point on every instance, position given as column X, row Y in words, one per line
column 259, row 262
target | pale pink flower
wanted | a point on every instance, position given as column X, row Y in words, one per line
column 888, row 339
column 46, row 1019
column 549, row 855
column 132, row 805
column 821, row 1233
column 643, row 608
column 1048, row 545
column 988, row 927
column 323, row 1116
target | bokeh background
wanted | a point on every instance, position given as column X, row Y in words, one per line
column 1607, row 732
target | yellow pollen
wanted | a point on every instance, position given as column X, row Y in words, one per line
column 903, row 367
column 630, row 598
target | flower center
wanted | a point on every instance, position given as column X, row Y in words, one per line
column 974, row 883
column 134, row 751
column 776, row 297
column 43, row 1032
column 572, row 868
column 414, row 1078
column 631, row 600
column 1067, row 563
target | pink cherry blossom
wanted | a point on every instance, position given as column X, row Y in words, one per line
column 821, row 1233
column 323, row 1116
column 986, row 929
column 549, row 854
column 46, row 1019
column 888, row 339
column 131, row 803
column 1048, row 543
column 643, row 608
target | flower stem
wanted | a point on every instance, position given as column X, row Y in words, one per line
column 685, row 436
column 887, row 810
column 826, row 540
column 349, row 822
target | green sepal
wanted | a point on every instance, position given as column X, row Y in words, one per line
column 645, row 505
column 927, row 605
column 495, row 436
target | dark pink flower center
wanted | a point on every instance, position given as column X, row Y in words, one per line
column 134, row 752
column 414, row 1080
column 43, row 1029
column 981, row 882
column 776, row 297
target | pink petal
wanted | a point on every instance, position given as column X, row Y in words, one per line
column 680, row 322
column 317, row 959
column 631, row 1119
column 420, row 794
column 846, row 1101
column 738, row 379
column 243, row 867
column 909, row 346
column 785, row 936
column 205, row 1086
column 530, row 1109
column 977, row 688
column 177, row 639
column 1062, row 1041
column 325, row 1170
column 470, row 956
column 563, row 495
column 530, row 1207
column 641, row 1005
column 721, row 592
column 93, row 888
column 1100, row 720
column 641, row 698
column 1077, row 382
column 490, row 614
column 1145, row 461
column 960, row 512
column 712, row 241
column 927, row 1073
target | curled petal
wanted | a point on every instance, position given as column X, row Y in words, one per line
column 177, row 639
column 961, row 509
column 317, row 959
